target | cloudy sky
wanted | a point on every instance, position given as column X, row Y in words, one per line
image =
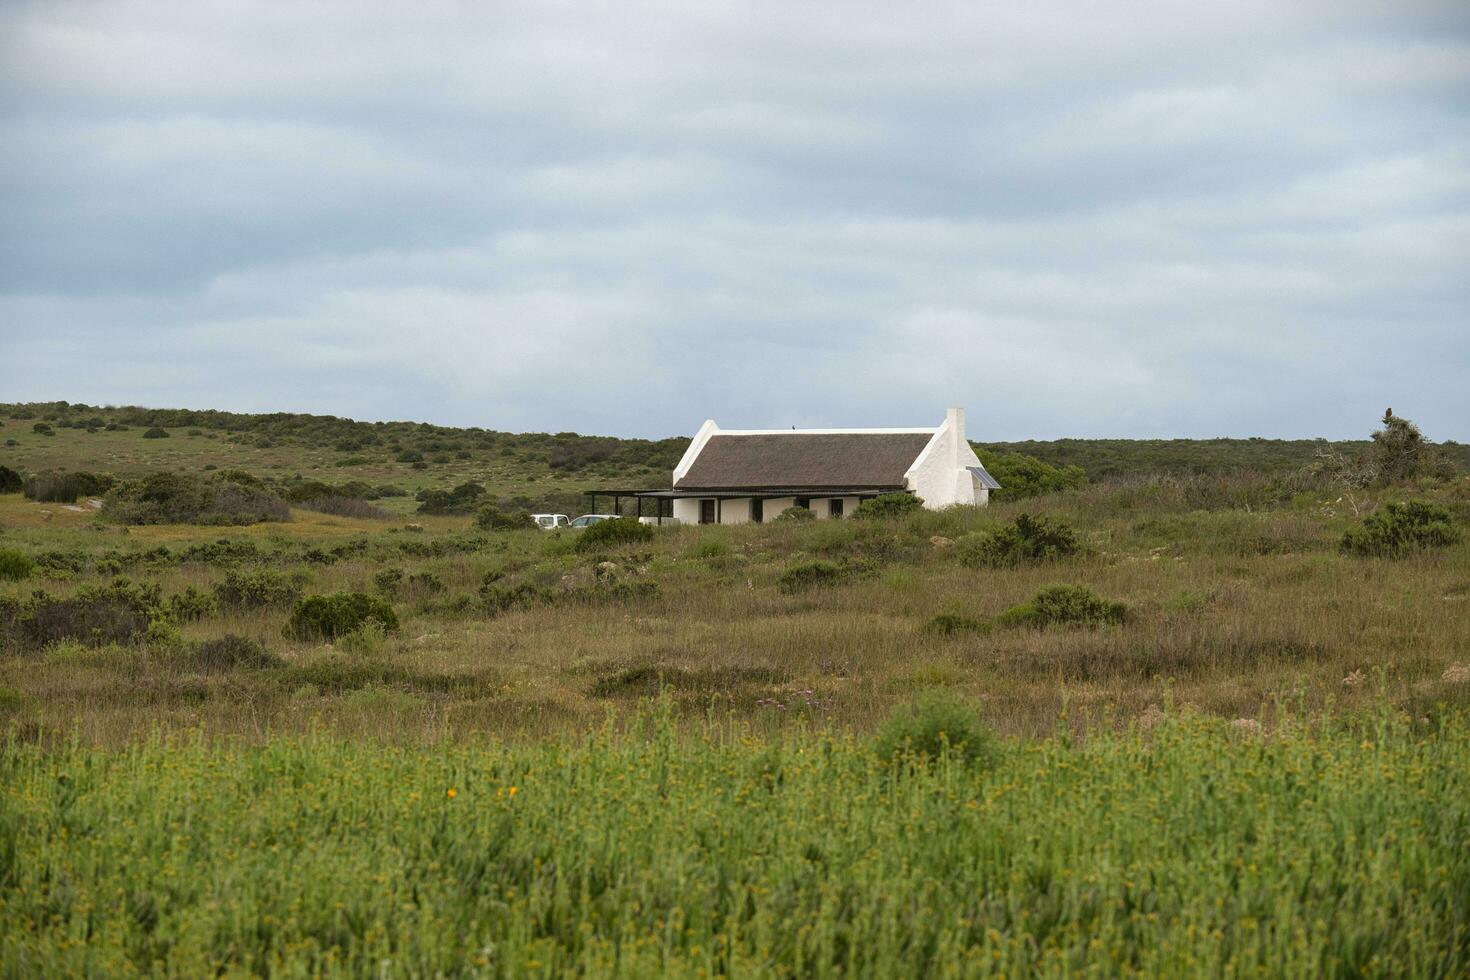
column 1146, row 219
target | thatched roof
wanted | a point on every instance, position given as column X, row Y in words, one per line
column 805, row 460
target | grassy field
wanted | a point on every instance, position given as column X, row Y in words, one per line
column 1198, row 850
column 1257, row 767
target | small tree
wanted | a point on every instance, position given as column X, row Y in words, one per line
column 1400, row 451
column 889, row 505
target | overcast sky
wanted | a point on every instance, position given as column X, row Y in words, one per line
column 1075, row 219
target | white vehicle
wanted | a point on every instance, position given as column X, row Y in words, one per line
column 587, row 520
column 665, row 522
column 550, row 522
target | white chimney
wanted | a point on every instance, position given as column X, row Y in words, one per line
column 954, row 420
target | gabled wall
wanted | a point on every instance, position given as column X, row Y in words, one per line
column 938, row 476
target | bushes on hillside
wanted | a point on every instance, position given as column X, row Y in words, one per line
column 816, row 574
column 156, row 433
column 1400, row 529
column 938, row 723
column 1029, row 540
column 10, row 481
column 613, row 533
column 177, row 498
column 328, row 617
column 889, row 505
column 1064, row 605
column 1022, row 476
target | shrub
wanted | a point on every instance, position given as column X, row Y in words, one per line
column 59, row 487
column 797, row 514
column 1400, row 452
column 330, row 616
column 812, row 574
column 501, row 598
column 937, row 723
column 1022, row 476
column 492, row 518
column 463, row 499
column 950, row 624
column 387, row 580
column 229, row 498
column 1064, row 605
column 95, row 616
column 10, row 481
column 346, row 507
column 156, row 433
column 15, row 565
column 231, row 651
column 613, row 533
column 1029, row 540
column 254, row 590
column 889, row 505
column 1400, row 529
column 42, row 429
column 191, row 604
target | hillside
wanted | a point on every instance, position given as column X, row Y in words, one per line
column 535, row 470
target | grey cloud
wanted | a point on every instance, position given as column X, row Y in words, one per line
column 1162, row 220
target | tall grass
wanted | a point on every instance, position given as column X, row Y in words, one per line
column 1193, row 849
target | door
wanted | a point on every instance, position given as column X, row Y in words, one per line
column 757, row 509
column 834, row 507
column 706, row 512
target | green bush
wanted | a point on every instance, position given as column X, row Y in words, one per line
column 10, row 481
column 950, row 624
column 1064, row 605
column 796, row 514
column 95, row 616
column 1029, row 540
column 611, row 534
column 812, row 574
column 936, row 723
column 889, row 505
column 60, row 487
column 231, row 651
column 228, row 498
column 1022, row 476
column 330, row 616
column 156, row 433
column 492, row 518
column 191, row 604
column 463, row 499
column 1400, row 529
column 255, row 590
column 42, row 429
column 15, row 565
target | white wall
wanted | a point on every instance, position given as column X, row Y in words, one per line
column 686, row 509
column 939, row 476
column 734, row 511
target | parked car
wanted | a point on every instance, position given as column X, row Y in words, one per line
column 550, row 522
column 666, row 522
column 587, row 520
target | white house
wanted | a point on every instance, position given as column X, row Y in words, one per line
column 731, row 476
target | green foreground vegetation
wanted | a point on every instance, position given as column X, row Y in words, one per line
column 304, row 696
column 1194, row 848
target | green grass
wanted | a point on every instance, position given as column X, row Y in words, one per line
column 1193, row 849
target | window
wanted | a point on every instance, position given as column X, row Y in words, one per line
column 757, row 510
column 805, row 503
column 834, row 507
column 706, row 512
